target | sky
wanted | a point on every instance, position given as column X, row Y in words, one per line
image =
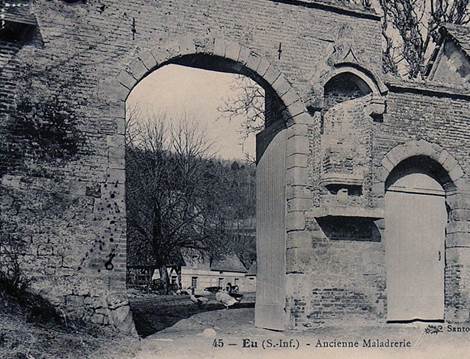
column 180, row 91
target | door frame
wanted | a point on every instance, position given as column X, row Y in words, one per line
column 447, row 170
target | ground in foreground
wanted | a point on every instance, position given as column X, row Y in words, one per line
column 202, row 335
column 177, row 328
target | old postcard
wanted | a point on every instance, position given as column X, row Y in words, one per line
column 234, row 179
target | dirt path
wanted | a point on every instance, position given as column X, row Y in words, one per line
column 174, row 327
column 153, row 313
column 200, row 336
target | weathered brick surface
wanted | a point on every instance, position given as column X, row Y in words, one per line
column 348, row 262
column 70, row 214
column 66, row 217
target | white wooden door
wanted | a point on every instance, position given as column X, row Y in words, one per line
column 415, row 221
column 270, row 229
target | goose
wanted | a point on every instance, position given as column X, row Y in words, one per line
column 226, row 299
column 198, row 299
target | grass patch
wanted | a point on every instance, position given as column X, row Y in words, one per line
column 32, row 328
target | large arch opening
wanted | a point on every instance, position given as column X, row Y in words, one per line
column 416, row 220
column 209, row 224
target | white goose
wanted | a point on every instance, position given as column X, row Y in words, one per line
column 226, row 299
column 198, row 299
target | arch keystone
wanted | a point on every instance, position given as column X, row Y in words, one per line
column 187, row 45
column 232, row 51
column 427, row 149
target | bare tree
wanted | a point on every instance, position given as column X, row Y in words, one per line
column 410, row 30
column 173, row 191
column 246, row 105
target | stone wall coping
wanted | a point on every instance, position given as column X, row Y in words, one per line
column 351, row 10
column 337, row 211
column 332, row 178
column 11, row 14
column 427, row 88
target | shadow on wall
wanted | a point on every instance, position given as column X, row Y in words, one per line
column 152, row 315
column 350, row 229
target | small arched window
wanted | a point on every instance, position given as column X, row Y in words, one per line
column 344, row 87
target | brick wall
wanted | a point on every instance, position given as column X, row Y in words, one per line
column 343, row 259
column 69, row 211
column 443, row 121
column 66, row 212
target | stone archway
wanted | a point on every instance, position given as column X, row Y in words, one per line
column 441, row 165
column 219, row 55
column 424, row 148
column 245, row 61
column 376, row 87
column 369, row 76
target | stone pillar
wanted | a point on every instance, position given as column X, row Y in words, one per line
column 299, row 238
column 457, row 271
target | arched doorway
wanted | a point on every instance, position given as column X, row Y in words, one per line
column 415, row 225
column 282, row 105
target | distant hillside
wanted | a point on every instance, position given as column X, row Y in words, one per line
column 232, row 195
